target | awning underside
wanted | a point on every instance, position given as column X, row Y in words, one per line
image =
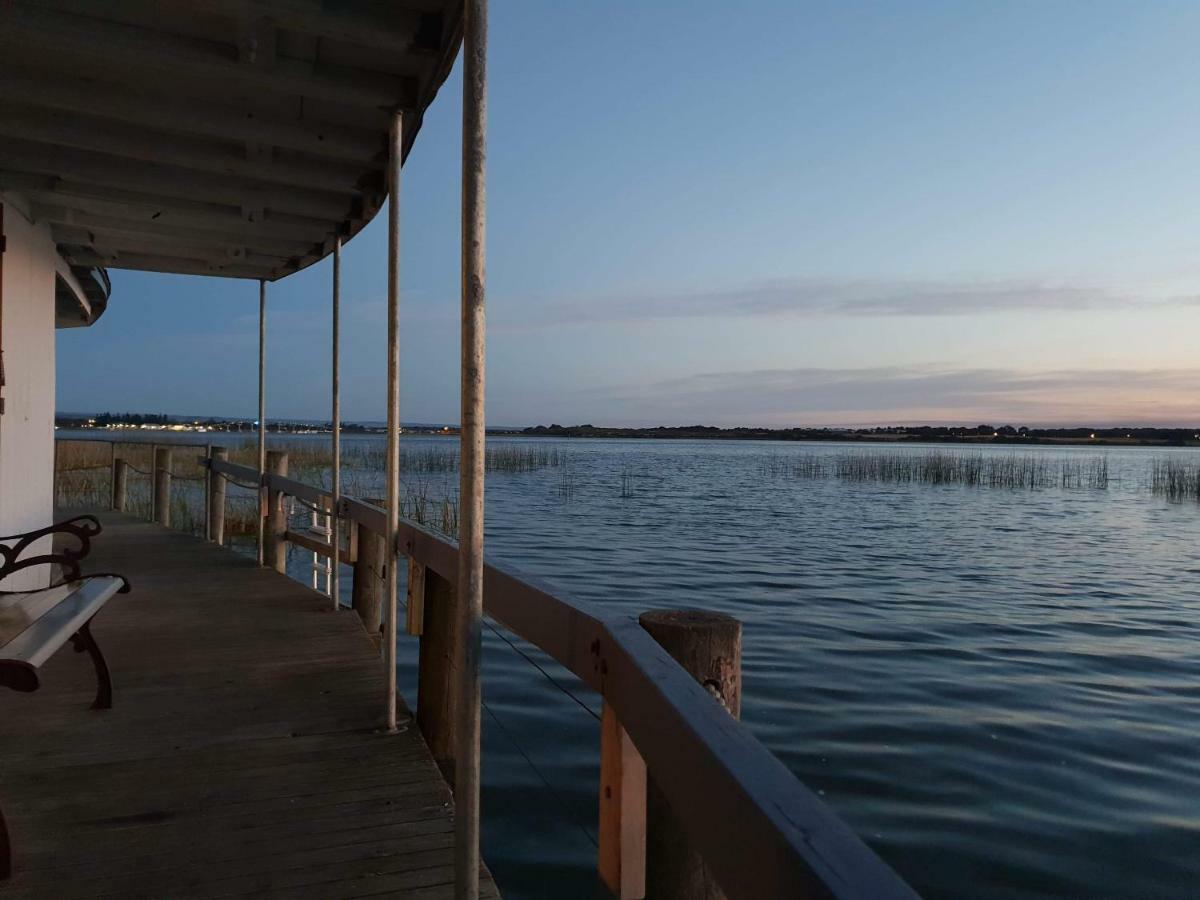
column 232, row 137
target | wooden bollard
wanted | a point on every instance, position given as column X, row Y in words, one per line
column 367, row 593
column 216, row 498
column 436, row 667
column 162, row 486
column 275, row 552
column 120, row 478
column 709, row 647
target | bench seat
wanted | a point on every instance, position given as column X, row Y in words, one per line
column 35, row 624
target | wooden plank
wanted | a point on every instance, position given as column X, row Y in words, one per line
column 40, row 638
column 243, row 754
column 308, row 542
column 622, row 833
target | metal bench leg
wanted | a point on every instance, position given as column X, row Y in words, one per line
column 5, row 849
column 83, row 640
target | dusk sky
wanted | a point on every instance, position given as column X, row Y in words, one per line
column 792, row 213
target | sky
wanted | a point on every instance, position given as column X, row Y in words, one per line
column 780, row 214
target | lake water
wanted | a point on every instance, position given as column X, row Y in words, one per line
column 998, row 689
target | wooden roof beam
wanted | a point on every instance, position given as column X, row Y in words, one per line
column 85, row 256
column 198, row 118
column 59, row 201
column 144, row 52
column 167, row 181
column 117, row 229
column 395, row 30
column 200, row 154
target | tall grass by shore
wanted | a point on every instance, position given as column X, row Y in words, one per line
column 83, row 478
column 1013, row 471
column 1176, row 480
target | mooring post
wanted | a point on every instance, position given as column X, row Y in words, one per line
column 436, row 672
column 216, row 497
column 367, row 593
column 709, row 647
column 276, row 525
column 162, row 486
column 120, row 477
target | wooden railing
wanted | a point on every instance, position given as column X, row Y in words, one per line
column 760, row 831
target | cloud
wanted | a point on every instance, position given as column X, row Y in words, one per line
column 908, row 394
column 832, row 297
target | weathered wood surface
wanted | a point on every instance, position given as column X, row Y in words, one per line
column 243, row 755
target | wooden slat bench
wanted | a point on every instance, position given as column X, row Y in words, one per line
column 34, row 625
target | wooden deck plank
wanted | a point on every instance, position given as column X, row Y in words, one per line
column 243, row 756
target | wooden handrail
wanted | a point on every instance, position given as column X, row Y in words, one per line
column 762, row 832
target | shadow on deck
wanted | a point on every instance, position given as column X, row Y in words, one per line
column 243, row 754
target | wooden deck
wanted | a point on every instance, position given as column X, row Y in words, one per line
column 243, row 755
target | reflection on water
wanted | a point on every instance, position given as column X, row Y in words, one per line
column 998, row 689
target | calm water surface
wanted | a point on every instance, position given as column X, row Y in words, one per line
column 998, row 689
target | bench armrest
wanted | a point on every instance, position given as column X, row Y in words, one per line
column 80, row 529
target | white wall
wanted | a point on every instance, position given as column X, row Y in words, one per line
column 27, row 425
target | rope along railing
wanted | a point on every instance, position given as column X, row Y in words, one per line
column 760, row 831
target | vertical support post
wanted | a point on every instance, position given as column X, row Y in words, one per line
column 622, row 833
column 335, row 518
column 153, row 479
column 471, row 454
column 119, row 480
column 262, row 414
column 415, row 620
column 276, row 545
column 216, row 498
column 208, row 452
column 436, row 673
column 367, row 595
column 709, row 647
column 392, row 501
column 162, row 486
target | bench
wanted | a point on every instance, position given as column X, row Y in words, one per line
column 34, row 625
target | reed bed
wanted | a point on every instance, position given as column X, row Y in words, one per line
column 1012, row 471
column 1176, row 480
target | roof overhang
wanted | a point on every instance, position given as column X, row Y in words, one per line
column 80, row 295
column 232, row 137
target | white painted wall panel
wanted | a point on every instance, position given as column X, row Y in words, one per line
column 27, row 426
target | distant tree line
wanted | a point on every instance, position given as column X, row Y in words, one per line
column 940, row 433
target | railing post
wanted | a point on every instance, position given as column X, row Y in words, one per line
column 367, row 594
column 216, row 497
column 709, row 647
column 436, row 672
column 120, row 477
column 162, row 486
column 208, row 452
column 276, row 525
column 622, row 832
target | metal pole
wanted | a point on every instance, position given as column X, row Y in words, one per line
column 472, row 436
column 395, row 153
column 335, row 531
column 262, row 411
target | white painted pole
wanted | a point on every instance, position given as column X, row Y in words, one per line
column 262, row 412
column 472, row 437
column 395, row 155
column 335, row 534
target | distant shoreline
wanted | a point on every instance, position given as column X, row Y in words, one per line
column 130, row 424
column 983, row 434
